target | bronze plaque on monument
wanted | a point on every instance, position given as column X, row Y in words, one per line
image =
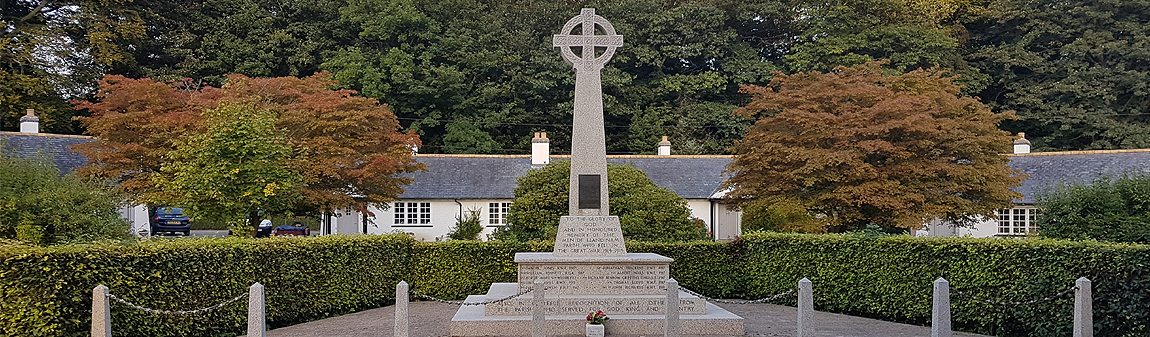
column 589, row 191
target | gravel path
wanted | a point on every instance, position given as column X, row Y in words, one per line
column 432, row 319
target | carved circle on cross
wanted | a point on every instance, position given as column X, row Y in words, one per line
column 588, row 41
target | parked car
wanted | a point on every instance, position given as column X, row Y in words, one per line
column 171, row 220
column 296, row 228
column 264, row 229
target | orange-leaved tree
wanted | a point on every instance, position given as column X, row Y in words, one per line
column 347, row 150
column 856, row 148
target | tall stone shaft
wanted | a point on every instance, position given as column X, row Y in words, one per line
column 588, row 193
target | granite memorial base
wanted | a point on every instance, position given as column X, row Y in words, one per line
column 471, row 321
column 631, row 289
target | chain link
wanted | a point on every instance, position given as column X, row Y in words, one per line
column 1017, row 304
column 440, row 300
column 166, row 312
column 761, row 300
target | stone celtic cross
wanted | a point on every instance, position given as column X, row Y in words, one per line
column 588, row 41
column 588, row 194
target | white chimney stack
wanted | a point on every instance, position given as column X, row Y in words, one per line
column 540, row 149
column 1021, row 145
column 665, row 147
column 30, row 123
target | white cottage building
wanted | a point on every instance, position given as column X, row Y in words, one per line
column 1045, row 170
column 454, row 184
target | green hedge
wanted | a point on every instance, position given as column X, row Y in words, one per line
column 47, row 291
column 891, row 278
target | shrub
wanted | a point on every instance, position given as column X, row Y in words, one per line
column 646, row 212
column 467, row 226
column 39, row 206
column 1107, row 209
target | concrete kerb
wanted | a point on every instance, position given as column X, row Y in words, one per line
column 806, row 309
column 101, row 312
column 538, row 314
column 1083, row 308
column 671, row 320
column 402, row 317
column 257, row 317
column 940, row 313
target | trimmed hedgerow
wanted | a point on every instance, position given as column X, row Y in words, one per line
column 47, row 290
column 891, row 278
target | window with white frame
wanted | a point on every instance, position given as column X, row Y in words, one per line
column 1017, row 221
column 412, row 213
column 497, row 213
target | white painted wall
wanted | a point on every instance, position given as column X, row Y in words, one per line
column 700, row 208
column 137, row 216
column 444, row 211
column 939, row 228
column 347, row 222
column 443, row 214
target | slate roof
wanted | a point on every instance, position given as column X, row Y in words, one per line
column 693, row 177
column 495, row 176
column 1049, row 169
column 28, row 144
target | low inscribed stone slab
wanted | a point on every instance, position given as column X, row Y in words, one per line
column 589, row 236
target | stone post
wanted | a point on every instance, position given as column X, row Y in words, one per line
column 539, row 313
column 401, row 317
column 257, row 323
column 671, row 324
column 1083, row 309
column 940, row 316
column 806, row 308
column 101, row 312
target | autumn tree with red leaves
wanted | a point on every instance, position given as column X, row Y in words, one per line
column 347, row 149
column 854, row 148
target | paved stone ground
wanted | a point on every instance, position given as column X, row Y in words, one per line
column 432, row 319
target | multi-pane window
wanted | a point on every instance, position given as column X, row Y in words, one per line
column 1016, row 221
column 497, row 213
column 412, row 213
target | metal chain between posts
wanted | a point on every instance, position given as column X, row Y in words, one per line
column 1016, row 304
column 166, row 312
column 440, row 300
column 761, row 300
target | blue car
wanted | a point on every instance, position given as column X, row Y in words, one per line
column 170, row 220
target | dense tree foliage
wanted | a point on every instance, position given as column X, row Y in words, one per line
column 479, row 76
column 1109, row 208
column 1077, row 72
column 51, row 50
column 346, row 149
column 39, row 206
column 854, row 147
column 237, row 168
column 646, row 212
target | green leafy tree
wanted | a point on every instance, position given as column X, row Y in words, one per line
column 467, row 226
column 853, row 147
column 347, row 149
column 52, row 50
column 677, row 76
column 911, row 34
column 1109, row 209
column 1075, row 71
column 646, row 212
column 236, row 169
column 39, row 206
